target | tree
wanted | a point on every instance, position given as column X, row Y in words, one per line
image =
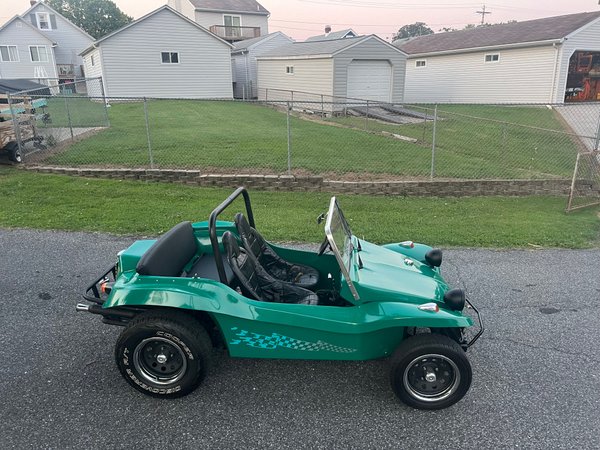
column 412, row 30
column 96, row 17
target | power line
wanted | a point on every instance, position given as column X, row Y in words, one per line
column 483, row 12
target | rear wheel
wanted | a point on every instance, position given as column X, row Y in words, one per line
column 164, row 354
column 430, row 371
column 14, row 152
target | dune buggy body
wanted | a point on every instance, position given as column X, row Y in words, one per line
column 373, row 297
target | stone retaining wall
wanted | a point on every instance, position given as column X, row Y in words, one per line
column 448, row 188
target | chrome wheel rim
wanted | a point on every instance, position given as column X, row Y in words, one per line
column 431, row 377
column 159, row 361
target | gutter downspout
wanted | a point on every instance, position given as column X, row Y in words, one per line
column 248, row 96
column 556, row 47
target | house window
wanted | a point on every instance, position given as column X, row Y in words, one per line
column 420, row 63
column 170, row 57
column 92, row 60
column 289, row 70
column 495, row 57
column 232, row 25
column 9, row 53
column 43, row 20
column 38, row 53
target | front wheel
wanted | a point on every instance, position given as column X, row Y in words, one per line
column 14, row 152
column 163, row 354
column 430, row 371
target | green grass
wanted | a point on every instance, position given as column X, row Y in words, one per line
column 136, row 208
column 233, row 136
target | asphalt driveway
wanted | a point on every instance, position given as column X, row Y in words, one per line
column 536, row 369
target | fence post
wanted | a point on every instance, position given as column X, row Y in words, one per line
column 69, row 117
column 148, row 133
column 266, row 96
column 289, row 141
column 367, row 117
column 322, row 108
column 597, row 140
column 15, row 124
column 435, row 117
column 105, row 101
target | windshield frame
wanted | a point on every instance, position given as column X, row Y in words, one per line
column 335, row 211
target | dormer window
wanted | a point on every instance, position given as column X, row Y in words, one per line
column 43, row 20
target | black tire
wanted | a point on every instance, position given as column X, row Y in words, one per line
column 164, row 353
column 14, row 153
column 435, row 356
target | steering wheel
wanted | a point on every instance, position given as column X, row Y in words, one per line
column 323, row 248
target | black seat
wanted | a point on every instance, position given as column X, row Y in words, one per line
column 275, row 265
column 176, row 249
column 257, row 283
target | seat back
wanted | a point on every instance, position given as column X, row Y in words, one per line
column 242, row 265
column 252, row 240
column 170, row 253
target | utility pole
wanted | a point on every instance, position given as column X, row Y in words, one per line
column 483, row 12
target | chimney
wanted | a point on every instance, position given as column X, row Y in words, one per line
column 32, row 2
column 327, row 29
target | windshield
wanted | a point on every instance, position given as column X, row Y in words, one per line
column 339, row 236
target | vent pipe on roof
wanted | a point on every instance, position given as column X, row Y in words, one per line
column 327, row 29
column 32, row 2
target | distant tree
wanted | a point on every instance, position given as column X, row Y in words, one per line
column 412, row 30
column 96, row 17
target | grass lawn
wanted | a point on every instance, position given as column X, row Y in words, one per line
column 238, row 136
column 127, row 207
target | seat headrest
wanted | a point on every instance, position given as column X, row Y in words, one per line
column 230, row 245
column 170, row 253
column 242, row 225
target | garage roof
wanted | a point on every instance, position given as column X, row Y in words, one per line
column 319, row 49
column 530, row 31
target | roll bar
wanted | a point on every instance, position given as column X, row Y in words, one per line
column 212, row 226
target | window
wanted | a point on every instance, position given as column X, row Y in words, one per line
column 232, row 25
column 492, row 58
column 420, row 63
column 38, row 53
column 9, row 53
column 289, row 70
column 43, row 20
column 170, row 57
column 92, row 62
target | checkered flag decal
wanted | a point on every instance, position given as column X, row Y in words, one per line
column 275, row 340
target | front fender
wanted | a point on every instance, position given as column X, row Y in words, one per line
column 417, row 252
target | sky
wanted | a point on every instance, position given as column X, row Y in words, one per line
column 300, row 19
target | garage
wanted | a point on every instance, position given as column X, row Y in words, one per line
column 583, row 80
column 370, row 80
column 364, row 67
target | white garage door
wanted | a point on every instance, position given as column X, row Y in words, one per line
column 370, row 80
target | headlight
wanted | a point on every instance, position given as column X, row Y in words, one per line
column 455, row 299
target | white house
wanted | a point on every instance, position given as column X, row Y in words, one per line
column 26, row 52
column 548, row 60
column 70, row 39
column 366, row 68
column 164, row 55
column 232, row 20
column 243, row 58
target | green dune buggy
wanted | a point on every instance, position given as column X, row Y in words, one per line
column 219, row 283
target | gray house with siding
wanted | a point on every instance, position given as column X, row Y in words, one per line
column 366, row 68
column 164, row 55
column 70, row 39
column 25, row 52
column 549, row 60
column 243, row 57
column 232, row 20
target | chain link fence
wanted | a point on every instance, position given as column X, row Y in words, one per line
column 299, row 133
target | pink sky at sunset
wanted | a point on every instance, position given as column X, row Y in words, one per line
column 302, row 18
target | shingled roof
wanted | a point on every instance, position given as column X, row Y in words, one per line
column 333, row 35
column 546, row 29
column 246, row 6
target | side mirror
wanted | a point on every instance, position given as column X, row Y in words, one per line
column 321, row 218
